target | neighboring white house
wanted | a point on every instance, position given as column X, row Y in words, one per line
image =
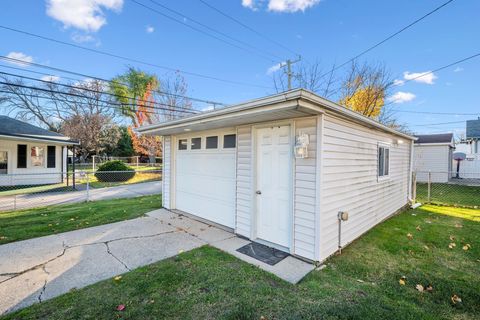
column 433, row 153
column 30, row 155
column 279, row 169
column 470, row 167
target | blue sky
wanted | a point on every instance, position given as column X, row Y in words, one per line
column 330, row 31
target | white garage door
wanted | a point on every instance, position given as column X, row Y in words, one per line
column 205, row 177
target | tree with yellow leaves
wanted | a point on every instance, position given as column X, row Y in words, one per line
column 365, row 88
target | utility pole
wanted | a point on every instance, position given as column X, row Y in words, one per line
column 288, row 64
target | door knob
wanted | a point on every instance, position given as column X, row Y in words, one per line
column 258, row 192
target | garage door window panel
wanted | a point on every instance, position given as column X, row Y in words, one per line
column 229, row 141
column 182, row 144
column 196, row 144
column 212, row 142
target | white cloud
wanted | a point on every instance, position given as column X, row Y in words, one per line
column 81, row 38
column 398, row 82
column 281, row 5
column 401, row 97
column 291, row 5
column 249, row 4
column 86, row 15
column 50, row 78
column 458, row 69
column 25, row 59
column 427, row 77
column 149, row 29
column 275, row 68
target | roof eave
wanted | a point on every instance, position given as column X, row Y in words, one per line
column 34, row 138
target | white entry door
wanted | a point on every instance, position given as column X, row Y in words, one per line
column 274, row 185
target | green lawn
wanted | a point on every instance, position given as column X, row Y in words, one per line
column 362, row 283
column 37, row 222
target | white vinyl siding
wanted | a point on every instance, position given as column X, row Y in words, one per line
column 432, row 158
column 305, row 192
column 166, row 171
column 244, row 181
column 349, row 180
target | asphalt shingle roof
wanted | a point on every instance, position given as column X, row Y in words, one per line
column 435, row 138
column 16, row 128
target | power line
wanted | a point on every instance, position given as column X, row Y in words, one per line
column 435, row 124
column 206, row 27
column 387, row 38
column 443, row 67
column 82, row 96
column 31, row 95
column 96, row 78
column 91, row 90
column 113, row 55
column 248, row 27
column 438, row 113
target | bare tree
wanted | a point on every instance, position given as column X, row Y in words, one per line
column 173, row 98
column 310, row 76
column 82, row 110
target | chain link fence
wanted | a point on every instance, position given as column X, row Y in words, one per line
column 447, row 188
column 25, row 191
column 136, row 162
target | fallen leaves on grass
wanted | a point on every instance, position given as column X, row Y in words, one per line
column 455, row 299
column 426, row 247
column 120, row 307
column 117, row 278
column 409, row 236
column 418, row 228
column 402, row 281
column 180, row 251
column 419, row 287
column 452, row 245
column 458, row 225
column 429, row 288
column 452, row 238
column 466, row 247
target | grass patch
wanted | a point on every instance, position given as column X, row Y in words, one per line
column 361, row 283
column 37, row 222
column 449, row 194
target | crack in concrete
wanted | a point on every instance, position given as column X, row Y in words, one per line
column 44, row 287
column 13, row 275
column 35, row 267
column 115, row 257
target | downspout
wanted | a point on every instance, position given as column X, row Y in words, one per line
column 413, row 205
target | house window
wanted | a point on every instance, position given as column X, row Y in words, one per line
column 212, row 142
column 51, row 156
column 182, row 144
column 196, row 143
column 383, row 161
column 21, row 156
column 3, row 162
column 229, row 141
column 37, row 155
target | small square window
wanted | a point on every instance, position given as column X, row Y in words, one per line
column 229, row 140
column 182, row 144
column 212, row 142
column 196, row 144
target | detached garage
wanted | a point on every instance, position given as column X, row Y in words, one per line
column 433, row 154
column 280, row 169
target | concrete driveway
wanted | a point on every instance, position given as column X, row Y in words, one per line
column 35, row 270
column 33, row 200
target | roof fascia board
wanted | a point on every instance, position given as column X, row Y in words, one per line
column 28, row 138
column 290, row 104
